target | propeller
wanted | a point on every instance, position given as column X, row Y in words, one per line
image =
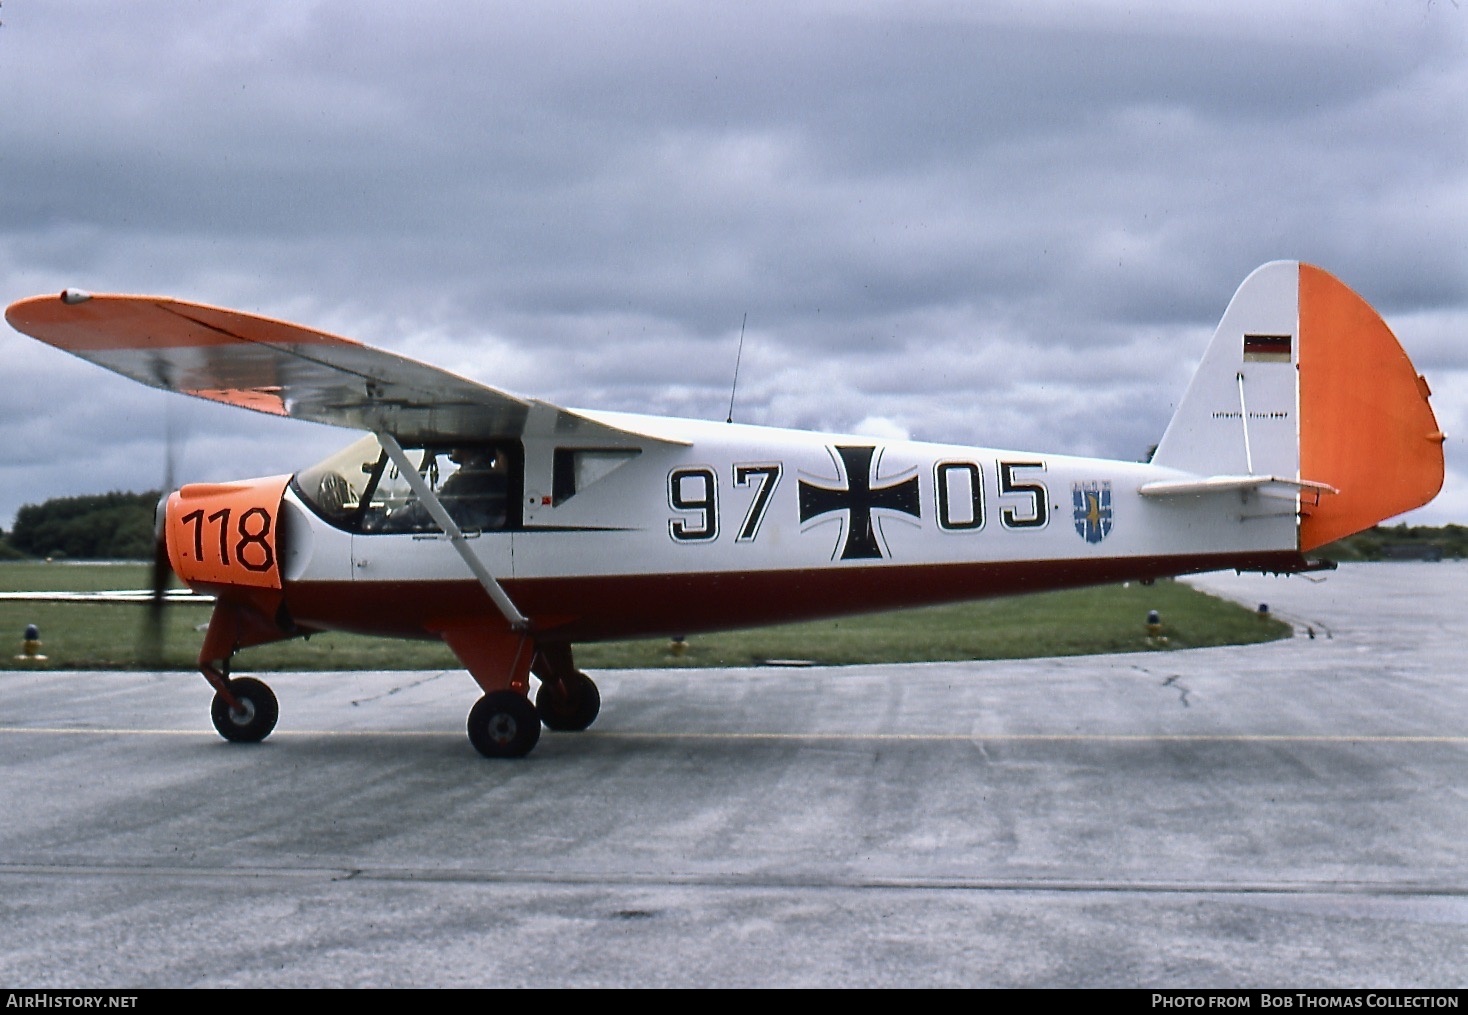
column 152, row 640
column 162, row 571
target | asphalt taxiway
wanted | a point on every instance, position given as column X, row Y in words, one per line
column 1290, row 814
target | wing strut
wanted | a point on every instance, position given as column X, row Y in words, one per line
column 518, row 621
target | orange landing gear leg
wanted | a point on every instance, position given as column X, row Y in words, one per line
column 503, row 723
column 244, row 710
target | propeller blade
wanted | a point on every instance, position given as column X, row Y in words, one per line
column 162, row 571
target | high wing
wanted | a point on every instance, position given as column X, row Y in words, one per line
column 284, row 369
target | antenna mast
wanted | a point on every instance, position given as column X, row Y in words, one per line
column 737, row 355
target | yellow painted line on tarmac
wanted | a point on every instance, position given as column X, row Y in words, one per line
column 117, row 732
column 1345, row 738
column 109, row 731
column 1020, row 738
column 98, row 731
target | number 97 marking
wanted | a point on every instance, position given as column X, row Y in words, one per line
column 693, row 492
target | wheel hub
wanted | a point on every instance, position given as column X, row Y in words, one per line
column 502, row 728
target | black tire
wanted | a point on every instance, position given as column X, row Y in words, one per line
column 256, row 716
column 569, row 705
column 503, row 724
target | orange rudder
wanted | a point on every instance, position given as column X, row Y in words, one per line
column 1366, row 427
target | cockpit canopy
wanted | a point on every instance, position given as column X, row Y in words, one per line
column 360, row 490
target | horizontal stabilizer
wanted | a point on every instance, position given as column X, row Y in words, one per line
column 1224, row 484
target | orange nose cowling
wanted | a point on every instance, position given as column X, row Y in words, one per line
column 223, row 536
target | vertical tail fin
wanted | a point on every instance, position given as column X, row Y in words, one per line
column 1305, row 383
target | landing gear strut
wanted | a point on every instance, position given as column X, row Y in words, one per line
column 504, row 723
column 244, row 709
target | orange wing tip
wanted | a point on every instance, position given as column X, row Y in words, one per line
column 1437, row 437
column 85, row 323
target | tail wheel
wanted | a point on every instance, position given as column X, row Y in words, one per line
column 569, row 704
column 503, row 724
column 255, row 717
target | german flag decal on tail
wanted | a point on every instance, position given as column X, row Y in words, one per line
column 1268, row 348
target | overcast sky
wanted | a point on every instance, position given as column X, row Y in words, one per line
column 1005, row 224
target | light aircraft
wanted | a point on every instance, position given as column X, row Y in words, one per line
column 512, row 529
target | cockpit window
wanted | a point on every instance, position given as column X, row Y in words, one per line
column 335, row 488
column 361, row 490
column 472, row 483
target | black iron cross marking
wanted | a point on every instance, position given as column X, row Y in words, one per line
column 858, row 498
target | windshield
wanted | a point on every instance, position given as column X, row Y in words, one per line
column 335, row 488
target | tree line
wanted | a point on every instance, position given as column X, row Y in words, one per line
column 1402, row 542
column 108, row 526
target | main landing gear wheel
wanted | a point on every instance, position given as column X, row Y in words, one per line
column 256, row 716
column 569, row 704
column 503, row 724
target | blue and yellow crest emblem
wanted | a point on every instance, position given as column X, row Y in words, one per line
column 1092, row 509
